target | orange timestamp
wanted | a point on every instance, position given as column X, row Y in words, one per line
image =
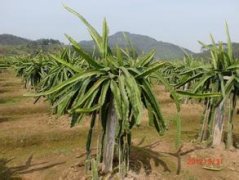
column 204, row 161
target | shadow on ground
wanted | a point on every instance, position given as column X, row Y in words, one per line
column 146, row 160
column 149, row 160
column 13, row 173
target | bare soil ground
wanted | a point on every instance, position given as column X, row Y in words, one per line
column 35, row 145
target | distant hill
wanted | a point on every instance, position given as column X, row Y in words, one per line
column 143, row 44
column 8, row 39
column 14, row 45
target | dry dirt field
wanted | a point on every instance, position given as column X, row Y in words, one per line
column 35, row 145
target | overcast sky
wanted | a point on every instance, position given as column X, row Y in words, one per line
column 182, row 22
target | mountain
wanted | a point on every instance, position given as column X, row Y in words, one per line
column 143, row 44
column 8, row 39
column 14, row 45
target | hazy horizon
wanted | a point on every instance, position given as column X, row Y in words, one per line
column 181, row 23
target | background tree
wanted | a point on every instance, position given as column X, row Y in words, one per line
column 220, row 76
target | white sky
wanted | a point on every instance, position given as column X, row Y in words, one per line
column 182, row 22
